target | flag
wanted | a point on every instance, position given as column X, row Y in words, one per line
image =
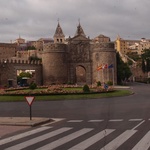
column 105, row 66
column 99, row 67
column 110, row 66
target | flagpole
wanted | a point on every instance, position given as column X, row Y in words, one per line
column 98, row 76
column 107, row 73
column 103, row 75
column 113, row 76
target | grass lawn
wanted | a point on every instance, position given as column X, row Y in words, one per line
column 68, row 96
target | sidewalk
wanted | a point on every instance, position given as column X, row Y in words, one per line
column 23, row 121
column 10, row 125
column 121, row 87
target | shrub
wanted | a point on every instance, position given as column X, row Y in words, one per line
column 86, row 88
column 32, row 86
column 98, row 83
column 110, row 83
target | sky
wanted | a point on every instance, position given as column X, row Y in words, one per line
column 35, row 19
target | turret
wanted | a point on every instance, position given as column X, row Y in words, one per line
column 59, row 36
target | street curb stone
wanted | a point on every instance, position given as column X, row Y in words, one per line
column 23, row 121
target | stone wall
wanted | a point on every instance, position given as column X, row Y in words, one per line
column 8, row 71
column 54, row 60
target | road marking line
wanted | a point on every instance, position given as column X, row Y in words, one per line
column 55, row 120
column 22, row 135
column 38, row 139
column 115, row 120
column 75, row 121
column 138, row 125
column 65, row 139
column 88, row 142
column 135, row 119
column 114, row 144
column 144, row 143
column 95, row 120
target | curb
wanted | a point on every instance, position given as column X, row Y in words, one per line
column 23, row 121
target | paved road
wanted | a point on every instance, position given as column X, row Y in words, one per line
column 83, row 134
column 121, row 123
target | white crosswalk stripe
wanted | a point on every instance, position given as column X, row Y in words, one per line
column 38, row 139
column 22, row 135
column 65, row 139
column 144, row 143
column 114, row 144
column 85, row 144
column 75, row 135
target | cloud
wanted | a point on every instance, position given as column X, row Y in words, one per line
column 33, row 19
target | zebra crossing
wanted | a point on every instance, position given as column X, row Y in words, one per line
column 73, row 138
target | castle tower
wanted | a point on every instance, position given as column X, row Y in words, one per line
column 104, row 58
column 59, row 36
column 54, row 60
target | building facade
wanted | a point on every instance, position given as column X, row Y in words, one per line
column 76, row 60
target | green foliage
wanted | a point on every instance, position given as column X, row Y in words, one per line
column 98, row 83
column 86, row 88
column 143, row 66
column 123, row 70
column 134, row 56
column 34, row 58
column 23, row 74
column 109, row 83
column 32, row 86
column 146, row 60
column 31, row 48
column 130, row 62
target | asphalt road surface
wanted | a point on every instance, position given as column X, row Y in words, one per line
column 121, row 123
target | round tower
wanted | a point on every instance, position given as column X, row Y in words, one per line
column 54, row 60
column 54, row 64
column 104, row 62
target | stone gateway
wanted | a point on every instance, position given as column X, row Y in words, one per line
column 75, row 60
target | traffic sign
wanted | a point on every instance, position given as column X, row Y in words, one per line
column 29, row 100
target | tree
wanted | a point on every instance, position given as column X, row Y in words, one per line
column 34, row 58
column 31, row 48
column 25, row 74
column 146, row 60
column 123, row 70
column 143, row 66
column 21, row 75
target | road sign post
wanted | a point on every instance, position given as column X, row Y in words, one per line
column 30, row 100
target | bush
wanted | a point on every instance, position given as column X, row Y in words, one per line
column 32, row 86
column 110, row 83
column 86, row 88
column 98, row 83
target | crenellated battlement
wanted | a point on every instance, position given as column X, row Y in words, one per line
column 19, row 61
column 109, row 45
column 54, row 47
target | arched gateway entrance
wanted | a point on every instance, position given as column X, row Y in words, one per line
column 80, row 75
